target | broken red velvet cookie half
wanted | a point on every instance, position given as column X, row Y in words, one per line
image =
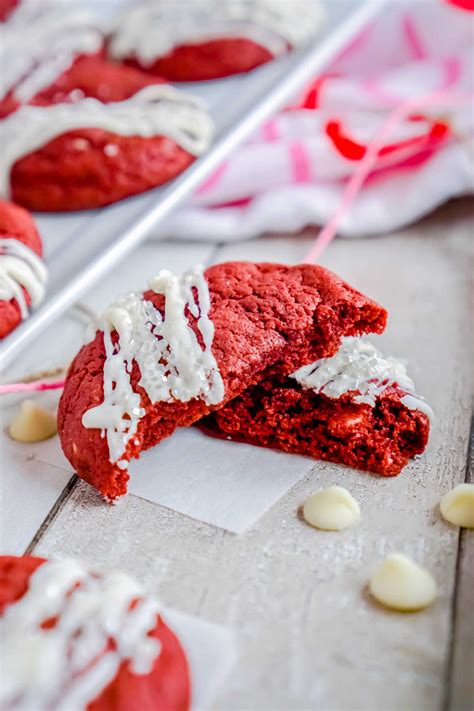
column 355, row 408
column 187, row 346
column 76, row 639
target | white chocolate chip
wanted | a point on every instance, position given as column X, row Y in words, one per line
column 331, row 509
column 32, row 423
column 457, row 506
column 76, row 95
column 401, row 584
column 111, row 150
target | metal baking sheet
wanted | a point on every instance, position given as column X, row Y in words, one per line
column 82, row 247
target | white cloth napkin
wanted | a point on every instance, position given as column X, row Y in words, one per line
column 292, row 173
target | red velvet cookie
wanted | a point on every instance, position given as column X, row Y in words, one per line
column 208, row 60
column 210, row 39
column 34, row 52
column 89, row 76
column 86, row 166
column 379, row 435
column 16, row 224
column 95, row 77
column 266, row 319
column 58, row 157
column 164, row 686
column 6, row 8
column 279, row 414
column 76, row 172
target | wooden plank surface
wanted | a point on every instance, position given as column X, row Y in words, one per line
column 460, row 676
column 310, row 636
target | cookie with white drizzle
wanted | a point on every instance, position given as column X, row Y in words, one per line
column 76, row 639
column 166, row 358
column 66, row 150
column 357, row 408
column 23, row 274
column 123, row 147
column 53, row 53
column 207, row 39
column 40, row 41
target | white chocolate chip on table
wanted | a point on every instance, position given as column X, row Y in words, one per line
column 401, row 584
column 457, row 506
column 32, row 423
column 331, row 509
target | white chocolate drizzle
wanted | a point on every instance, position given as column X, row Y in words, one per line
column 156, row 110
column 152, row 29
column 174, row 364
column 39, row 42
column 20, row 268
column 65, row 665
column 358, row 367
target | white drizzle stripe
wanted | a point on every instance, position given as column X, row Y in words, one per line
column 415, row 402
column 67, row 665
column 173, row 364
column 21, row 267
column 152, row 29
column 156, row 110
column 39, row 42
column 359, row 367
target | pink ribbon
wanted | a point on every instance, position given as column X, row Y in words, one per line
column 369, row 161
column 33, row 387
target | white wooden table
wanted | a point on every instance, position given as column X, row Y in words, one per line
column 310, row 637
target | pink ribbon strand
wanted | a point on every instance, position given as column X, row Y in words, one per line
column 369, row 161
column 34, row 387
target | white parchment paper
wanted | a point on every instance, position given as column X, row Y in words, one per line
column 211, row 650
column 226, row 484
